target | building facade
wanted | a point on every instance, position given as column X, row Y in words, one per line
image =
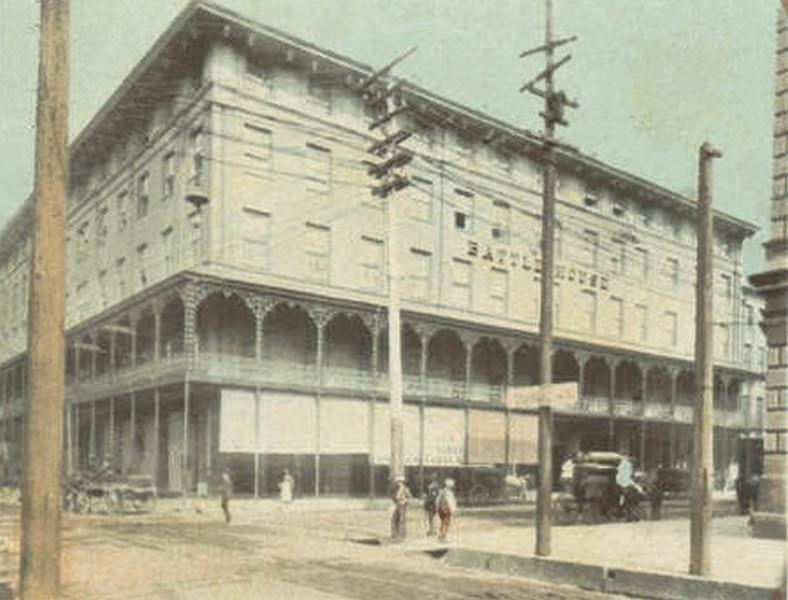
column 227, row 284
column 772, row 283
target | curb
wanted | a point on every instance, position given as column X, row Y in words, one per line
column 642, row 584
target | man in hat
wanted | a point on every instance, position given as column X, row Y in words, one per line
column 431, row 503
column 447, row 506
column 400, row 497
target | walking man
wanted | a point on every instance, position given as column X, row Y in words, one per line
column 431, row 503
column 226, row 491
column 400, row 497
column 447, row 507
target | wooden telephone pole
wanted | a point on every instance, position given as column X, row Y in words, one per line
column 555, row 102
column 40, row 548
column 703, row 426
column 388, row 159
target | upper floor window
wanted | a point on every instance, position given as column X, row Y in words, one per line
column 588, row 308
column 641, row 322
column 318, row 169
column 317, row 247
column 671, row 329
column 618, row 257
column 419, row 274
column 461, row 278
column 463, row 202
column 168, row 250
column 123, row 215
column 371, row 263
column 640, row 263
column 259, row 147
column 255, row 238
column 617, row 314
column 319, row 94
column 168, row 175
column 419, row 197
column 591, row 197
column 501, row 221
column 197, row 150
column 590, row 254
column 143, row 195
column 102, row 229
column 671, row 273
column 499, row 290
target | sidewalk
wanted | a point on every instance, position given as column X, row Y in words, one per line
column 647, row 558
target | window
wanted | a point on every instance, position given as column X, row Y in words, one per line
column 83, row 242
column 501, row 221
column 727, row 288
column 102, row 286
column 101, row 226
column 641, row 322
column 747, row 355
column 259, row 147
column 120, row 272
column 671, row 329
column 261, row 72
column 318, row 169
column 590, row 251
column 418, row 274
column 463, row 202
column 142, row 263
column 318, row 251
column 419, row 198
column 591, row 198
column 255, row 238
column 617, row 316
column 619, row 257
column 371, row 263
column 461, row 279
column 640, row 263
column 671, row 273
column 123, row 217
column 724, row 341
column 168, row 251
column 198, row 155
column 499, row 290
column 168, row 169
column 587, row 310
column 143, row 195
column 619, row 209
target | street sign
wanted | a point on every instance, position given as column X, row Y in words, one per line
column 558, row 396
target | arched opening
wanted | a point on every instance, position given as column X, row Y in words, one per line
column 410, row 350
column 629, row 382
column 565, row 367
column 289, row 335
column 526, row 366
column 446, row 356
column 488, row 362
column 145, row 336
column 658, row 385
column 719, row 394
column 734, row 396
column 596, row 378
column 685, row 388
column 348, row 344
column 225, row 326
column 123, row 332
column 172, row 327
column 103, row 350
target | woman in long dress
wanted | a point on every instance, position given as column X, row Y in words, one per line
column 286, row 489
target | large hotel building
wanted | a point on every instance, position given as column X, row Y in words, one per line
column 227, row 284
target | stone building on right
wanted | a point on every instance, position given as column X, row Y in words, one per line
column 772, row 284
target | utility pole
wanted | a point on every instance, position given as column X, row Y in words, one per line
column 702, row 467
column 388, row 160
column 40, row 546
column 554, row 105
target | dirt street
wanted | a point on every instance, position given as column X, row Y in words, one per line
column 307, row 554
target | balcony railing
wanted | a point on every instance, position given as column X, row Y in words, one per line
column 626, row 408
column 594, row 404
column 658, row 410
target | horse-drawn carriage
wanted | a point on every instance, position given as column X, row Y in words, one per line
column 109, row 495
column 592, row 494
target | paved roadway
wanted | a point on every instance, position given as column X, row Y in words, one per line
column 300, row 555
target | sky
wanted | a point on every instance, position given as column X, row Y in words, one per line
column 654, row 78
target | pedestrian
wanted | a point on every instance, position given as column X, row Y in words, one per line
column 400, row 496
column 286, row 486
column 431, row 503
column 447, row 507
column 226, row 491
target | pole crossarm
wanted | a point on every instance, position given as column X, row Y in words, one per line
column 546, row 73
column 550, row 46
